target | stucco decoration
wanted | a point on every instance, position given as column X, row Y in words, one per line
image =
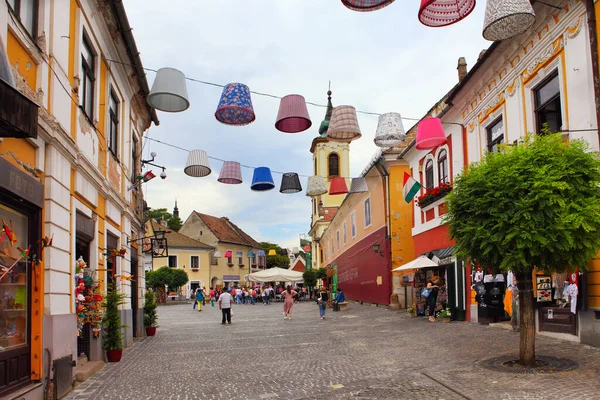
column 573, row 31
column 550, row 52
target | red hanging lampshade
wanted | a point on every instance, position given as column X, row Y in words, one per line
column 430, row 134
column 436, row 13
column 366, row 5
column 228, row 254
column 293, row 115
column 338, row 186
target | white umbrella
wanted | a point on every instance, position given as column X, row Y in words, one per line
column 418, row 263
column 276, row 275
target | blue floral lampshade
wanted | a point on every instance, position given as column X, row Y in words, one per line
column 261, row 253
column 262, row 180
column 235, row 107
column 250, row 254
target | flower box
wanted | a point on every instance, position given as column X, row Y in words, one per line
column 432, row 195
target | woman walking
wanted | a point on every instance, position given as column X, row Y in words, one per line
column 199, row 299
column 432, row 297
column 322, row 302
column 288, row 302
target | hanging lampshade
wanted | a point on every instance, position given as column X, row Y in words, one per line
column 338, row 186
column 272, row 252
column 169, row 92
column 217, row 254
column 261, row 253
column 235, row 106
column 228, row 254
column 343, row 124
column 358, row 185
column 390, row 130
column 262, row 180
column 430, row 134
column 197, row 164
column 436, row 13
column 293, row 115
column 239, row 254
column 250, row 254
column 290, row 183
column 231, row 173
column 507, row 18
column 316, row 186
column 366, row 5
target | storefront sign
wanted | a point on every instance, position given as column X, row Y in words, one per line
column 227, row 278
column 20, row 184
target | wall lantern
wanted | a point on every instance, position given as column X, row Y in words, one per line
column 158, row 243
column 507, row 18
column 169, row 92
column 377, row 249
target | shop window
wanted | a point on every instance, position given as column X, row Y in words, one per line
column 195, row 262
column 495, row 135
column 429, row 174
column 27, row 13
column 367, row 206
column 333, row 165
column 443, row 167
column 88, row 78
column 344, row 234
column 172, row 261
column 547, row 104
column 113, row 125
column 353, row 223
column 112, row 243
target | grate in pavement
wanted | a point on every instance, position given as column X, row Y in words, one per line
column 544, row 365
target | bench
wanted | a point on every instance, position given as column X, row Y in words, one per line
column 343, row 306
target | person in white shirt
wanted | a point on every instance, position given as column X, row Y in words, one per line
column 225, row 302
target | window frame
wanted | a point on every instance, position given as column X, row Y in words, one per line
column 88, row 73
column 330, row 156
column 353, row 223
column 427, row 168
column 442, row 161
column 538, row 108
column 332, row 248
column 367, row 216
column 337, row 238
column 134, row 158
column 192, row 262
column 488, row 130
column 17, row 11
column 345, row 233
column 113, row 121
column 176, row 260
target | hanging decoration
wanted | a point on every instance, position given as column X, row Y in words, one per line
column 507, row 18
column 169, row 92
column 272, row 252
column 290, row 183
column 344, row 124
column 239, row 254
column 430, row 134
column 231, row 173
column 228, row 254
column 250, row 254
column 217, row 254
column 9, row 232
column 88, row 298
column 293, row 115
column 235, row 106
column 390, row 130
column 197, row 164
column 262, row 180
column 316, row 186
column 116, row 253
column 261, row 253
column 338, row 186
column 366, row 5
column 437, row 13
column 358, row 185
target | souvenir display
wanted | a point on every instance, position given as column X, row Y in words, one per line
column 544, row 288
column 88, row 298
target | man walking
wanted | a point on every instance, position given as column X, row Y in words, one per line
column 225, row 302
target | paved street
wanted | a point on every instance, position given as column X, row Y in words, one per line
column 365, row 353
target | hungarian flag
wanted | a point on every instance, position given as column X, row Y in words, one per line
column 410, row 188
column 147, row 176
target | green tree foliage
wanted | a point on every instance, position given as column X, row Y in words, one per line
column 166, row 277
column 322, row 273
column 277, row 260
column 310, row 278
column 150, row 316
column 530, row 205
column 173, row 221
column 178, row 278
column 112, row 339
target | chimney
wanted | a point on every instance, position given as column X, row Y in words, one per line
column 462, row 68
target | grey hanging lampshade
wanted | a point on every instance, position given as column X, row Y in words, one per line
column 316, row 186
column 344, row 124
column 507, row 18
column 358, row 185
column 390, row 130
column 366, row 5
column 197, row 164
column 169, row 92
column 290, row 183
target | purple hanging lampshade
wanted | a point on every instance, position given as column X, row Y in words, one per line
column 292, row 116
column 231, row 173
column 430, row 134
column 366, row 5
column 235, row 106
column 262, row 180
column 436, row 13
column 290, row 183
column 344, row 124
column 261, row 253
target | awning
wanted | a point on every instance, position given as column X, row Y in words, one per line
column 276, row 275
column 440, row 253
column 418, row 263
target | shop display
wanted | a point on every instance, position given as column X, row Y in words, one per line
column 544, row 288
column 88, row 298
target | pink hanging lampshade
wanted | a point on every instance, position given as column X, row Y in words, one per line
column 235, row 106
column 344, row 124
column 338, row 186
column 436, row 13
column 231, row 173
column 430, row 134
column 293, row 115
column 366, row 5
column 228, row 254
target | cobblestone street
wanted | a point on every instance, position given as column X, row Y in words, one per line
column 365, row 353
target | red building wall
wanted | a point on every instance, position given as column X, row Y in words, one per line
column 433, row 239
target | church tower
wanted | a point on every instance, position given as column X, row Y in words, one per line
column 330, row 159
column 176, row 210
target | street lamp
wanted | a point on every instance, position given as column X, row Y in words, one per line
column 377, row 249
column 158, row 243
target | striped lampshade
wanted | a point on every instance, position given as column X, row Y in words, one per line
column 197, row 164
column 436, row 13
column 338, row 186
column 344, row 124
column 231, row 173
column 359, row 185
column 366, row 5
column 293, row 115
column 316, row 186
column 290, row 183
column 235, row 106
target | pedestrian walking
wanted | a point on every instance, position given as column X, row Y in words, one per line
column 264, row 296
column 288, row 302
column 193, row 297
column 211, row 293
column 322, row 302
column 252, row 296
column 238, row 295
column 432, row 297
column 199, row 299
column 225, row 302
column 339, row 298
column 204, row 294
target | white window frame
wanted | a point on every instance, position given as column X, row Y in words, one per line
column 337, row 238
column 353, row 223
column 345, row 234
column 367, row 205
column 332, row 247
column 425, row 161
column 191, row 263
column 532, row 85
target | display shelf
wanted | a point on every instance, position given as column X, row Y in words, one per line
column 13, row 284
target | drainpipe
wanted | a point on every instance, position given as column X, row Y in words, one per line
column 591, row 22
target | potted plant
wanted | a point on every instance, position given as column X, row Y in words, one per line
column 112, row 340
column 445, row 315
column 410, row 311
column 150, row 316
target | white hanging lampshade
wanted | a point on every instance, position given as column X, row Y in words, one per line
column 344, row 124
column 358, row 185
column 217, row 254
column 197, row 164
column 316, row 186
column 390, row 130
column 169, row 92
column 507, row 18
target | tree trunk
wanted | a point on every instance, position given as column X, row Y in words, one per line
column 527, row 319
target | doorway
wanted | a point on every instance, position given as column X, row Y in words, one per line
column 135, row 301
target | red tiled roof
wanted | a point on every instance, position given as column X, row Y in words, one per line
column 328, row 216
column 227, row 231
column 176, row 239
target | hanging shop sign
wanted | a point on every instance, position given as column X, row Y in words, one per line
column 20, row 184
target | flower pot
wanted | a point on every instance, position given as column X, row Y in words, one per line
column 114, row 355
column 150, row 331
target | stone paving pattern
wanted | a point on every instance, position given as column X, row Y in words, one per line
column 365, row 353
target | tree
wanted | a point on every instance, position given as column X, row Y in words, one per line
column 173, row 221
column 532, row 205
column 165, row 277
column 178, row 278
column 150, row 315
column 310, row 278
column 321, row 273
column 277, row 260
column 111, row 321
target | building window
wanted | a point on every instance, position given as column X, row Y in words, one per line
column 495, row 135
column 367, row 212
column 27, row 12
column 547, row 104
column 337, row 238
column 443, row 166
column 240, row 260
column 332, row 248
column 87, row 69
column 230, row 260
column 344, row 234
column 333, row 165
column 195, row 262
column 134, row 159
column 172, row 261
column 113, row 118
column 353, row 223
column 316, row 171
column 429, row 174
column 321, row 255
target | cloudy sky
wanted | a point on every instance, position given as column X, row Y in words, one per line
column 381, row 61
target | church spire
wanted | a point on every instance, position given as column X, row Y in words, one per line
column 176, row 210
column 325, row 123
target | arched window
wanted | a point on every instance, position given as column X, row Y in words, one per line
column 443, row 166
column 333, row 165
column 429, row 174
